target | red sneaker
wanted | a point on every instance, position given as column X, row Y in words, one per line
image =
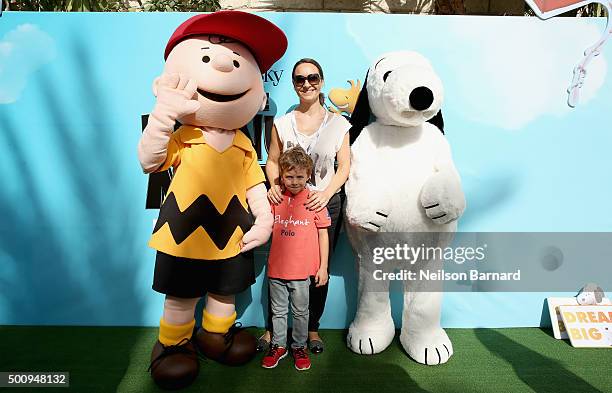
column 300, row 359
column 275, row 354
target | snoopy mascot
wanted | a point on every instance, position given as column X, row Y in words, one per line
column 403, row 189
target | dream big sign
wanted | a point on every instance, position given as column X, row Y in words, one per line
column 588, row 326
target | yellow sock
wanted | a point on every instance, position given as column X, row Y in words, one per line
column 216, row 324
column 173, row 334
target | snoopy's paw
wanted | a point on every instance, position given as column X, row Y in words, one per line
column 370, row 340
column 376, row 220
column 429, row 348
column 442, row 198
column 439, row 214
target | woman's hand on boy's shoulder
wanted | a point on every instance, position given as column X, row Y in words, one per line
column 317, row 200
column 275, row 194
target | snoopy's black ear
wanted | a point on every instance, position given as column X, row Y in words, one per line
column 599, row 295
column 438, row 121
column 361, row 114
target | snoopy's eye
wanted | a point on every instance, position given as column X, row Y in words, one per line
column 205, row 59
column 236, row 64
column 386, row 76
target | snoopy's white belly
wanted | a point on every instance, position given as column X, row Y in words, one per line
column 391, row 176
column 403, row 186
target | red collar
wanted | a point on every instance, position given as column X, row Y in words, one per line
column 300, row 196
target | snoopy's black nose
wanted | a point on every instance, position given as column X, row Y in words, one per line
column 421, row 98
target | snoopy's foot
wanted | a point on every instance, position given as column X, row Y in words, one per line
column 427, row 347
column 371, row 338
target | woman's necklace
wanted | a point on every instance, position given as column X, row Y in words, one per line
column 312, row 145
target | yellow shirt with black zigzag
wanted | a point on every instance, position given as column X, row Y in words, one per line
column 205, row 213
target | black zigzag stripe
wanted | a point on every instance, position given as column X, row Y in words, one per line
column 202, row 213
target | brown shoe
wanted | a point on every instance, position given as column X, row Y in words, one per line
column 174, row 366
column 234, row 348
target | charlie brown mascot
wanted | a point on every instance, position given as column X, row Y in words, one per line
column 216, row 210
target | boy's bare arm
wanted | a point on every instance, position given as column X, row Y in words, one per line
column 322, row 276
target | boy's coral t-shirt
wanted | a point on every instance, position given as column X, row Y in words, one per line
column 294, row 253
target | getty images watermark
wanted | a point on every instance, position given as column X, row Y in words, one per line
column 419, row 258
column 483, row 261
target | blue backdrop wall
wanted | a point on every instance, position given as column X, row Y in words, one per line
column 74, row 230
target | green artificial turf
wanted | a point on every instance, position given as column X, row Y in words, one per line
column 108, row 359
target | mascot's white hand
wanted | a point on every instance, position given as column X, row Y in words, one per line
column 367, row 209
column 255, row 237
column 375, row 220
column 442, row 198
column 262, row 228
column 175, row 96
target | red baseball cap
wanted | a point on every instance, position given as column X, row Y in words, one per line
column 265, row 40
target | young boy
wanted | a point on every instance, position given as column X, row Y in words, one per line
column 299, row 250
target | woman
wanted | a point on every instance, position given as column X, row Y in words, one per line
column 324, row 136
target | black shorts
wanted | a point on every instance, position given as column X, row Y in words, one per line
column 190, row 278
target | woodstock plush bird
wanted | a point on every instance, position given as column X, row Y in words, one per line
column 345, row 100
